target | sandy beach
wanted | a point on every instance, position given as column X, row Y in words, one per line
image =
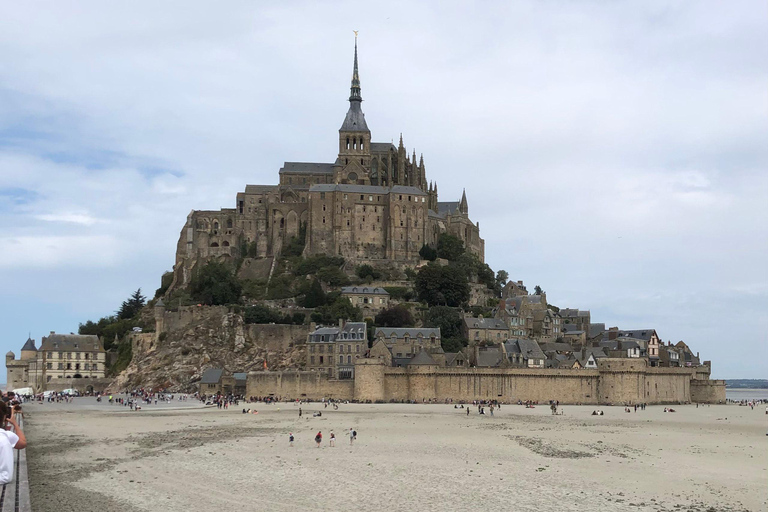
column 89, row 456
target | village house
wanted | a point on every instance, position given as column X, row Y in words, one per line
column 580, row 319
column 369, row 299
column 523, row 353
column 408, row 341
column 60, row 356
column 573, row 335
column 669, row 356
column 333, row 350
column 507, row 311
column 484, row 330
column 546, row 324
column 621, row 347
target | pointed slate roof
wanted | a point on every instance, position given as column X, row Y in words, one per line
column 29, row 345
column 422, row 358
column 355, row 119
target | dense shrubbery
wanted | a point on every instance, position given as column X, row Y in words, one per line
column 399, row 292
column 332, row 311
column 395, row 316
column 449, row 247
column 449, row 321
column 440, row 285
column 367, row 272
column 215, row 284
column 165, row 283
column 428, row 253
column 260, row 314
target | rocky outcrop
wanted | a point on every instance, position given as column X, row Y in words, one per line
column 199, row 338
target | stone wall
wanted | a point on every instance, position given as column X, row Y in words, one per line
column 298, row 384
column 84, row 386
column 616, row 381
column 276, row 337
column 708, row 391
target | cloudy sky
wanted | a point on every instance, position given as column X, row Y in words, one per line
column 615, row 153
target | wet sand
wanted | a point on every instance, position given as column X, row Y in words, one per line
column 96, row 457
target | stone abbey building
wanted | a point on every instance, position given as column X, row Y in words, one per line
column 372, row 204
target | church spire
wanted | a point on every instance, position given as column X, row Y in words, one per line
column 355, row 119
column 354, row 90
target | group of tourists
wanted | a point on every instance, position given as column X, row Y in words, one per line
column 11, row 435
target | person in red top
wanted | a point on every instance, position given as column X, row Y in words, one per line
column 319, row 438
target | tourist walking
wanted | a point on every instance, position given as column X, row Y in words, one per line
column 332, row 441
column 290, row 438
column 318, row 438
column 352, row 435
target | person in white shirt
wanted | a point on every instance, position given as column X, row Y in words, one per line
column 9, row 439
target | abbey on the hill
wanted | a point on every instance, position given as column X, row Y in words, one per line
column 373, row 204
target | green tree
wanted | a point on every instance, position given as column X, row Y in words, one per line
column 315, row 296
column 333, row 276
column 446, row 318
column 341, row 308
column 366, row 271
column 438, row 285
column 260, row 314
column 428, row 253
column 215, row 284
column 395, row 316
column 453, row 344
column 131, row 307
column 449, row 247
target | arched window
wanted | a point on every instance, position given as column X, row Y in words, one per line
column 347, row 142
column 229, row 223
column 215, row 225
column 214, row 244
column 361, row 144
column 349, row 359
column 341, row 359
column 225, row 244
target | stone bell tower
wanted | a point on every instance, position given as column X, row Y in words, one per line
column 354, row 162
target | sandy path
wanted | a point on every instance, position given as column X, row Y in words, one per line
column 407, row 457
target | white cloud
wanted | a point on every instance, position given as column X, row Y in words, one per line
column 75, row 218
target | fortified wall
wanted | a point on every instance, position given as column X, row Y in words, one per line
column 615, row 381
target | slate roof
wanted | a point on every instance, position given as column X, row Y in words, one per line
column 413, row 332
column 489, row 357
column 330, row 333
column 447, row 207
column 382, row 147
column 354, row 121
column 364, row 290
column 357, row 329
column 485, row 323
column 530, row 349
column 240, row 377
column 614, row 344
column 555, row 347
column 450, row 357
column 260, row 189
column 638, row 334
column 400, row 361
column 211, row 376
column 422, row 358
column 71, row 342
column 306, row 168
column 29, row 345
column 596, row 330
column 366, row 189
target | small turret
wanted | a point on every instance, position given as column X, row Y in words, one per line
column 29, row 351
column 463, row 206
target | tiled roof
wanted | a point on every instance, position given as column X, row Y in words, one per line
column 422, row 358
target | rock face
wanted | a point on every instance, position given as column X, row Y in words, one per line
column 197, row 338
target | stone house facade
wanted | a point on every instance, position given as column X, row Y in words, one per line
column 333, row 350
column 484, row 330
column 369, row 299
column 60, row 356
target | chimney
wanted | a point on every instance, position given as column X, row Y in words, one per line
column 312, row 326
column 341, row 323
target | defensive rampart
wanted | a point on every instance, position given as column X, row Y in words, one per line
column 615, row 381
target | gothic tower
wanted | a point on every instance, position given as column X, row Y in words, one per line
column 354, row 162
